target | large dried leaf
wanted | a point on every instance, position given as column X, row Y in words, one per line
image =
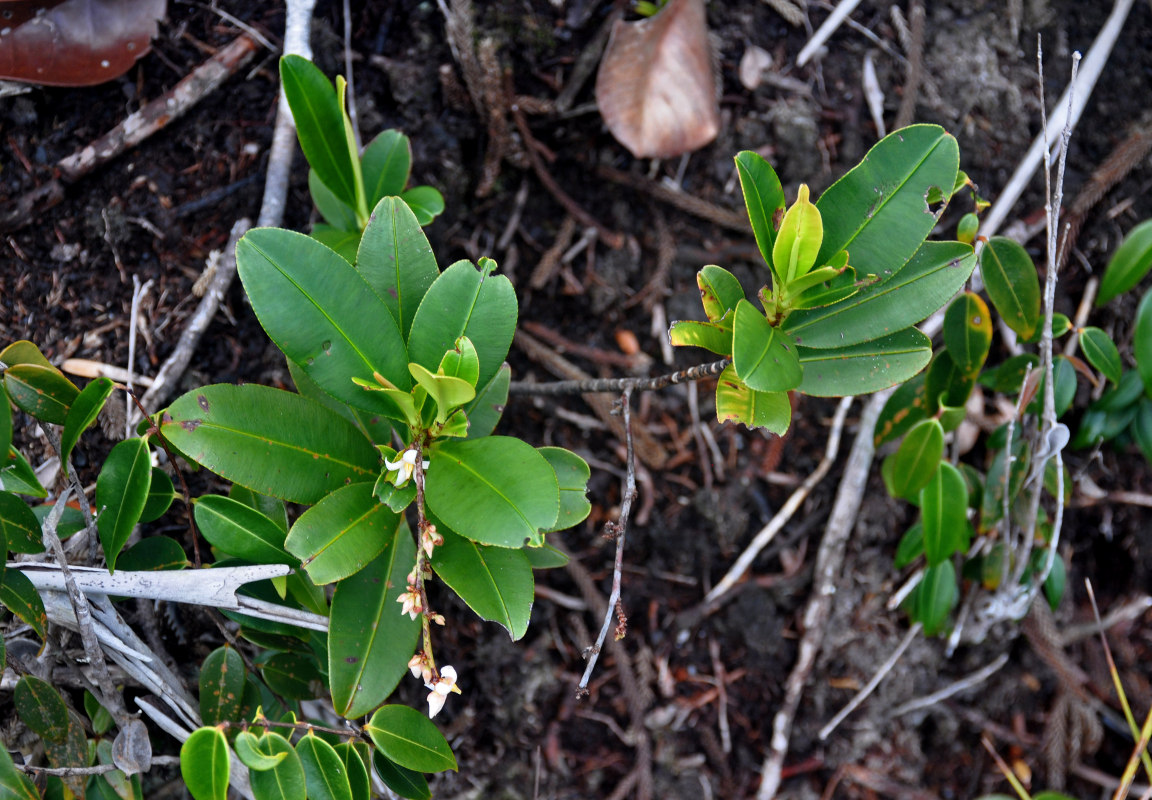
column 656, row 89
column 77, row 42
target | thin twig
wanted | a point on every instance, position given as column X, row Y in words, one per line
column 965, row 683
column 870, row 687
column 605, row 385
column 829, row 27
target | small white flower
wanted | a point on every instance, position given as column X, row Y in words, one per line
column 430, row 539
column 419, row 667
column 412, row 605
column 440, row 690
column 405, row 465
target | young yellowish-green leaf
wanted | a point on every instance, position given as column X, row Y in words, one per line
column 764, row 356
column 1012, row 284
column 710, row 336
column 447, row 392
column 943, row 507
column 735, row 402
column 204, row 763
column 1101, row 353
column 16, row 475
column 222, row 677
column 495, row 582
column 720, row 291
column 121, row 493
column 340, row 534
column 410, row 739
column 968, row 332
column 1129, row 264
column 764, row 199
column 798, row 240
column 914, row 464
column 461, row 362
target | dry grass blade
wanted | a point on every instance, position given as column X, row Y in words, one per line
column 656, row 89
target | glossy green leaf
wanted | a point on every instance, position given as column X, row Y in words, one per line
column 285, row 780
column 932, row 275
column 405, row 782
column 41, row 391
column 16, row 475
column 968, row 332
column 462, row 362
column 251, row 757
column 735, row 402
column 798, row 240
column 354, row 767
column 1142, row 341
column 914, row 464
column 101, row 719
column 1129, row 264
column 24, row 352
column 5, row 421
column 465, row 301
column 946, row 385
column 340, row 216
column 324, row 773
column 943, row 507
column 711, row 337
column 1101, row 353
column 323, row 314
column 343, row 243
column 340, row 534
column 1012, row 284
column 905, row 407
column 121, row 492
column 319, row 125
column 222, row 677
column 396, row 260
column 934, row 598
column 19, row 526
column 41, row 708
column 71, row 751
column 19, row 596
column 274, row 442
column 764, row 357
column 291, row 675
column 865, row 367
column 496, row 490
column 161, row 493
column 879, row 211
column 1008, row 377
column 764, row 199
column 447, row 392
column 239, row 530
column 386, row 164
column 485, row 411
column 572, row 474
column 369, row 640
column 495, row 582
column 911, row 546
column 720, row 291
column 151, row 554
column 546, row 557
column 426, row 203
column 1055, row 583
column 14, row 784
column 204, row 763
column 410, row 739
column 85, row 408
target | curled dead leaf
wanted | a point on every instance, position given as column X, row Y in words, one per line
column 656, row 88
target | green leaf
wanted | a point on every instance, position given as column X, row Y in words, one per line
column 386, row 163
column 1142, row 428
column 720, row 291
column 465, row 301
column 319, row 125
column 798, row 240
column 340, row 534
column 764, row 199
column 764, row 357
column 271, row 507
column 222, row 677
column 1129, row 264
column 905, row 407
column 343, row 243
column 462, row 362
column 485, row 411
column 1142, row 341
column 274, row 442
column 496, row 490
column 1008, row 378
column 1012, row 284
column 85, row 408
column 992, row 510
column 41, row 392
column 291, row 675
column 19, row 526
column 396, row 260
column 865, row 367
column 1101, row 353
column 72, row 751
column 369, row 640
column 323, row 314
column 934, row 597
column 14, row 784
column 495, row 582
column 41, row 708
column 911, row 546
column 943, row 507
column 161, row 493
column 324, row 773
column 546, row 557
column 404, row 782
column 338, row 214
column 102, row 720
column 946, row 386
column 204, row 763
column 426, row 203
column 151, row 554
column 241, row 531
column 968, row 332
column 932, row 275
column 712, row 337
column 447, row 392
column 735, row 402
column 121, row 492
column 284, row 781
column 1055, row 583
column 410, row 739
column 251, row 757
column 19, row 596
column 879, row 211
column 5, row 421
column 16, row 475
column 355, row 769
column 914, row 464
column 572, row 474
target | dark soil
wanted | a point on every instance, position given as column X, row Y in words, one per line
column 155, row 213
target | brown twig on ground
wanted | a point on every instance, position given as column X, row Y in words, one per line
column 914, row 72
column 828, row 563
column 136, row 128
column 550, row 261
column 587, row 61
column 733, row 220
column 598, row 355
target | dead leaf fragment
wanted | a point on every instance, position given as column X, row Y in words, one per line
column 656, row 88
column 753, row 64
column 76, row 42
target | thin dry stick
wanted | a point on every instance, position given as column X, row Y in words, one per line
column 605, row 385
column 829, row 27
column 965, row 683
column 762, row 539
column 618, row 530
column 870, row 687
column 915, row 69
column 828, row 563
column 138, row 293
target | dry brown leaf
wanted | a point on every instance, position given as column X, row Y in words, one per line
column 656, row 89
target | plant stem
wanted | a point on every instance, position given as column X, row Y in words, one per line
column 605, row 385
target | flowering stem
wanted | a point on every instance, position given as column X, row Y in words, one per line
column 422, row 557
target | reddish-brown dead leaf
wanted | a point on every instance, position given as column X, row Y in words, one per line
column 656, row 89
column 75, row 42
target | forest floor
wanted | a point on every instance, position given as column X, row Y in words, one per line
column 691, row 707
